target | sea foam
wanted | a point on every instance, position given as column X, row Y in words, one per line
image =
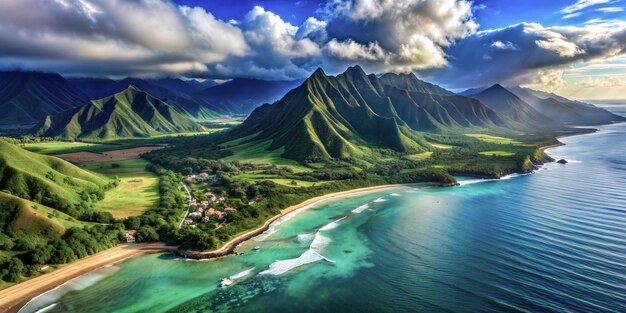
column 361, row 208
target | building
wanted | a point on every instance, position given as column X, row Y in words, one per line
column 187, row 222
column 229, row 210
column 130, row 235
column 194, row 214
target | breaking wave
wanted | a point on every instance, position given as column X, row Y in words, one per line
column 242, row 274
column 361, row 208
column 380, row 200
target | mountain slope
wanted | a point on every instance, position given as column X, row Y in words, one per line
column 130, row 113
column 27, row 97
column 344, row 116
column 410, row 82
column 508, row 104
column 201, row 85
column 242, row 95
column 565, row 110
column 44, row 179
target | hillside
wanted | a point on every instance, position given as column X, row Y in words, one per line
column 410, row 82
column 343, row 116
column 508, row 104
column 242, row 95
column 45, row 179
column 27, row 97
column 130, row 113
column 564, row 110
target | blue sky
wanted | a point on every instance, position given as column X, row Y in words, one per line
column 576, row 47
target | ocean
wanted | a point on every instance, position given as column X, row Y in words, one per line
column 551, row 241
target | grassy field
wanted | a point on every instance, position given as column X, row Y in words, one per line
column 498, row 153
column 494, row 139
column 59, row 147
column 257, row 153
column 441, row 146
column 278, row 180
column 420, row 156
column 137, row 190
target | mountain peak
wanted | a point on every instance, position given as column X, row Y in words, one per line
column 356, row 69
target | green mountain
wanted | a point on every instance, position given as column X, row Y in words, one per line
column 410, row 82
column 27, row 97
column 564, row 110
column 173, row 91
column 336, row 117
column 45, row 179
column 130, row 113
column 508, row 104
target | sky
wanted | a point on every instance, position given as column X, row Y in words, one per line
column 576, row 48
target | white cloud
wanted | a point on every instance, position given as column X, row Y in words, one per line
column 98, row 37
column 582, row 4
column 572, row 15
column 503, row 45
column 611, row 9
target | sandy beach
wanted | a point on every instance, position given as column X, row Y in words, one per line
column 16, row 296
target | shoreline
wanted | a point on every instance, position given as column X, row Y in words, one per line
column 13, row 298
column 230, row 247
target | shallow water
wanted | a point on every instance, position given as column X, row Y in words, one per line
column 552, row 241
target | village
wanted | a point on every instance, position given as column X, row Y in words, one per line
column 205, row 206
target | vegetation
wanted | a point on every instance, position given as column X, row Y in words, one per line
column 33, row 235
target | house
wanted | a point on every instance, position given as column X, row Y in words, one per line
column 229, row 210
column 221, row 199
column 194, row 214
column 189, row 180
column 209, row 212
column 212, row 196
column 206, row 218
column 205, row 175
column 219, row 214
column 187, row 222
column 130, row 235
column 43, row 267
column 199, row 209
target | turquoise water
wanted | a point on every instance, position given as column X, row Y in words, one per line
column 552, row 241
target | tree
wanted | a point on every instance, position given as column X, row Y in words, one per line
column 15, row 268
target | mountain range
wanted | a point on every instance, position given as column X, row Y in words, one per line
column 344, row 115
column 27, row 97
column 128, row 113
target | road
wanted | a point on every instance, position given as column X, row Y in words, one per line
column 188, row 206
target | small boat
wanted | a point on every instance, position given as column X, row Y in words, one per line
column 225, row 282
column 256, row 248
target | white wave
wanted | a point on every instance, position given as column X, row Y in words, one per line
column 395, row 194
column 332, row 225
column 303, row 238
column 283, row 219
column 361, row 208
column 283, row 266
column 242, row 274
column 319, row 242
column 380, row 200
column 46, row 309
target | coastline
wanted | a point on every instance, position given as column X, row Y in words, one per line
column 13, row 298
column 231, row 246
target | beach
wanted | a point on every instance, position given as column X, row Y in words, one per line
column 16, row 296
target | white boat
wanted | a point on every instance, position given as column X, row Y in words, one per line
column 225, row 282
column 257, row 248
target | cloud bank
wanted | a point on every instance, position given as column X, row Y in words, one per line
column 438, row 39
